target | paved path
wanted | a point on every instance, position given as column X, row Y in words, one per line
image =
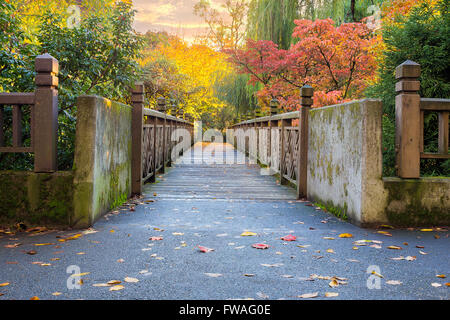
column 212, row 205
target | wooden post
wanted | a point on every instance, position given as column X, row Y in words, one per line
column 443, row 132
column 407, row 120
column 137, row 130
column 45, row 114
column 162, row 108
column 2, row 138
column 282, row 124
column 306, row 102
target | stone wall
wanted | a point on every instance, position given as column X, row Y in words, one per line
column 345, row 172
column 36, row 198
column 102, row 164
column 418, row 202
column 345, row 160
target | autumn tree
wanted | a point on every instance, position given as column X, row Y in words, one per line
column 334, row 60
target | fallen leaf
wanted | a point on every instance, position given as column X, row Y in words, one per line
column 43, row 244
column 328, row 238
column 213, row 275
column 426, row 230
column 34, row 298
column 377, row 274
column 385, row 233
column 15, row 245
column 248, row 234
column 442, row 276
column 330, row 250
column 178, row 233
column 31, row 252
column 120, row 260
column 116, row 288
column 424, row 253
column 155, row 238
column 308, row 295
column 436, row 285
column 101, row 285
column 289, row 238
column 114, row 282
column 131, row 280
column 249, row 275
column 77, row 275
column 260, row 246
column 4, row 284
column 205, row 249
column 333, row 283
column 345, row 235
column 288, row 276
column 331, row 294
column 393, row 282
column 262, row 295
column 394, row 247
column 56, row 293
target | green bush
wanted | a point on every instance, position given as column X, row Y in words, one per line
column 97, row 57
column 423, row 37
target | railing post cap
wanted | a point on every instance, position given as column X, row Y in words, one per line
column 138, row 87
column 45, row 63
column 307, row 91
column 274, row 102
column 408, row 69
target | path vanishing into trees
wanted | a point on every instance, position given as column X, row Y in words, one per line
column 211, row 205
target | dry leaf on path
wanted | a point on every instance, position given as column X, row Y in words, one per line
column 116, row 288
column 205, row 249
column 260, row 246
column 248, row 234
column 131, row 280
column 308, row 295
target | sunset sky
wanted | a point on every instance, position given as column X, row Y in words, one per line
column 173, row 16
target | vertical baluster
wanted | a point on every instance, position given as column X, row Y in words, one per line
column 443, row 132
column 17, row 116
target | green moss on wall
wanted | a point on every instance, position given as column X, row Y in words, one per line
column 423, row 202
column 36, row 198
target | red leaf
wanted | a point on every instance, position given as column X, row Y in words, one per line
column 260, row 246
column 155, row 238
column 289, row 238
column 205, row 249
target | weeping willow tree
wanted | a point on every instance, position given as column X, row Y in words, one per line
column 340, row 11
column 272, row 20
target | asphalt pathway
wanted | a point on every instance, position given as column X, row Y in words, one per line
column 153, row 242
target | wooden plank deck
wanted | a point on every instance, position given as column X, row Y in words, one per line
column 206, row 175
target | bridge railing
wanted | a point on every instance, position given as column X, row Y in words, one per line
column 154, row 136
column 281, row 142
column 43, row 110
column 410, row 109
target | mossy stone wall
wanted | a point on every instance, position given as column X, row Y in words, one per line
column 36, row 198
column 102, row 164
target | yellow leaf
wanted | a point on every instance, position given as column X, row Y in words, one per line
column 131, row 280
column 4, row 284
column 426, row 230
column 80, row 274
column 345, row 235
column 34, row 298
column 56, row 293
column 248, row 234
column 330, row 250
column 308, row 295
column 333, row 283
column 43, row 244
column 394, row 247
column 113, row 282
column 442, row 276
column 74, row 237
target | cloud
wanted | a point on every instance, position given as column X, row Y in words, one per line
column 173, row 16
